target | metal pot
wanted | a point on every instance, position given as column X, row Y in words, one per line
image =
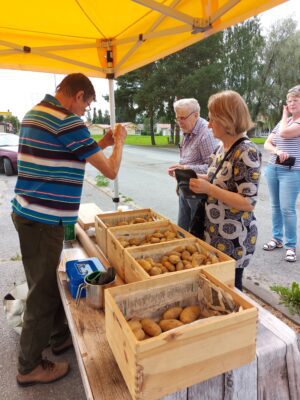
column 94, row 292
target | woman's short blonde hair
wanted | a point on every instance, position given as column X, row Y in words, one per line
column 230, row 110
column 293, row 92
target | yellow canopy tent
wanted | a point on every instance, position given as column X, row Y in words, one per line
column 107, row 38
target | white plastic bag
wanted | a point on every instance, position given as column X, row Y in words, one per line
column 14, row 304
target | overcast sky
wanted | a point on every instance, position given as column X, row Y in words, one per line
column 19, row 90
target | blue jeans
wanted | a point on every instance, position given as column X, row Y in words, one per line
column 187, row 209
column 284, row 187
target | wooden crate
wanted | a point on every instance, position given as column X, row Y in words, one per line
column 183, row 356
column 223, row 270
column 115, row 250
column 105, row 221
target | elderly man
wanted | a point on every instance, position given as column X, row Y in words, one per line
column 197, row 145
column 54, row 147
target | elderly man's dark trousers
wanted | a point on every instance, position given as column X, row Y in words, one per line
column 44, row 317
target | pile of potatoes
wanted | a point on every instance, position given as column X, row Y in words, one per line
column 151, row 238
column 133, row 221
column 182, row 257
column 172, row 318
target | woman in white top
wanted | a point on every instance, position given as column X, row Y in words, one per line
column 284, row 180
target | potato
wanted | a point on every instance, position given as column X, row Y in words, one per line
column 167, row 324
column 169, row 266
column 145, row 264
column 190, row 314
column 191, row 248
column 173, row 253
column 138, row 220
column 171, row 235
column 158, row 235
column 179, row 266
column 123, row 242
column 164, row 270
column 214, row 259
column 139, row 333
column 185, row 255
column 154, row 271
column 134, row 242
column 150, row 260
column 164, row 258
column 172, row 313
column 174, row 259
column 154, row 240
column 198, row 259
column 134, row 323
column 179, row 249
column 188, row 265
column 151, row 327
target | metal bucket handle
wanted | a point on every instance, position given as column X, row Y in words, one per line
column 79, row 290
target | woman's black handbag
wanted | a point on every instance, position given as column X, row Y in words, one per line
column 198, row 222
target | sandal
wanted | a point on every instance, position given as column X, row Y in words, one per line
column 272, row 245
column 290, row 255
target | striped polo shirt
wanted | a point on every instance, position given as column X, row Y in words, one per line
column 53, row 146
column 291, row 146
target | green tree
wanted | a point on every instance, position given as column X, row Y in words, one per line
column 100, row 117
column 14, row 121
column 280, row 69
column 94, row 119
column 106, row 118
column 242, row 60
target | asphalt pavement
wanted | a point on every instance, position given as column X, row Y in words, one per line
column 267, row 268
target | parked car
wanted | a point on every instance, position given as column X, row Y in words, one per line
column 9, row 153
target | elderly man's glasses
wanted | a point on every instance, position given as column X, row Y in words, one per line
column 184, row 118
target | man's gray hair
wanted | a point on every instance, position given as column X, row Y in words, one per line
column 188, row 105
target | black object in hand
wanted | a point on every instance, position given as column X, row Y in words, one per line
column 289, row 162
column 183, row 177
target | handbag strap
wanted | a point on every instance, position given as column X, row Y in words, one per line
column 227, row 154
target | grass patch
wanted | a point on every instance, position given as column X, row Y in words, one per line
column 258, row 140
column 102, row 181
column 136, row 140
column 17, row 257
column 127, row 199
column 289, row 296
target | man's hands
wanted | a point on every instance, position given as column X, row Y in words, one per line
column 110, row 138
column 120, row 133
column 107, row 140
column 171, row 170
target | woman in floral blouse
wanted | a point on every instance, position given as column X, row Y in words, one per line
column 230, row 223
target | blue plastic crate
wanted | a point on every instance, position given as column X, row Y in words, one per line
column 76, row 271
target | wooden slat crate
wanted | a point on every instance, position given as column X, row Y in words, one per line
column 115, row 249
column 223, row 270
column 86, row 214
column 108, row 220
column 183, row 356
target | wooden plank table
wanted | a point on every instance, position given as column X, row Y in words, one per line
column 273, row 375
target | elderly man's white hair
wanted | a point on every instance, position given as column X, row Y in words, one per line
column 188, row 105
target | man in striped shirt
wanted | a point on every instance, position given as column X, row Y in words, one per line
column 54, row 147
column 197, row 145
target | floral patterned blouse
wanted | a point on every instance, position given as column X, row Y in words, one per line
column 228, row 229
